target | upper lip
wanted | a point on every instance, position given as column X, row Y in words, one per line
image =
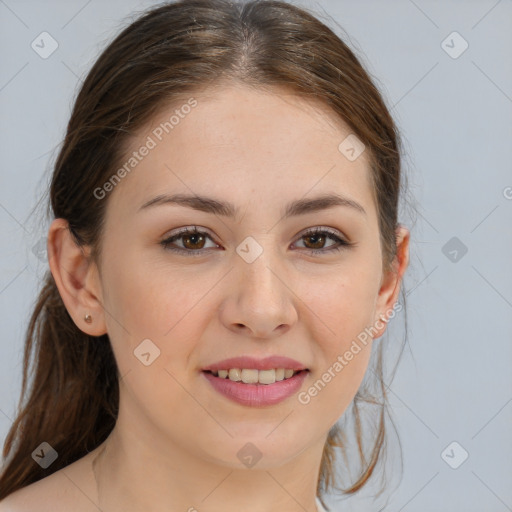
column 248, row 362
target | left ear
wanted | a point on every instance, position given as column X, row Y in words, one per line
column 391, row 281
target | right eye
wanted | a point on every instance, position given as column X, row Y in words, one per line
column 193, row 241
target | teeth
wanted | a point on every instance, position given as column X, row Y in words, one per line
column 235, row 374
column 250, row 376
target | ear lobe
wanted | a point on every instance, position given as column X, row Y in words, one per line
column 392, row 280
column 76, row 278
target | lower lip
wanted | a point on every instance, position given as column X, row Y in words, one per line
column 257, row 395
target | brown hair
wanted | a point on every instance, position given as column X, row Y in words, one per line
column 171, row 50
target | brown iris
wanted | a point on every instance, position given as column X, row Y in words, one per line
column 195, row 237
column 320, row 240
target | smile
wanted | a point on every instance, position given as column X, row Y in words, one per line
column 253, row 376
column 246, row 389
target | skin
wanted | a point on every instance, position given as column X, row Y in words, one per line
column 175, row 443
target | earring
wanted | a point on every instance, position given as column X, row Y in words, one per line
column 88, row 318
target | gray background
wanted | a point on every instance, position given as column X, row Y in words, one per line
column 454, row 382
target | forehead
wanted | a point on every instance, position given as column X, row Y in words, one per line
column 265, row 144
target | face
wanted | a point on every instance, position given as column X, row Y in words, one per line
column 252, row 279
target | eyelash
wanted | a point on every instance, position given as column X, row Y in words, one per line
column 342, row 244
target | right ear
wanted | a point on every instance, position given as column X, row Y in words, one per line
column 77, row 278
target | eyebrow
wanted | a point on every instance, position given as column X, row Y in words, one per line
column 226, row 209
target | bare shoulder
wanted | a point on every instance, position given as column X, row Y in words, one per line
column 35, row 496
column 40, row 496
column 71, row 488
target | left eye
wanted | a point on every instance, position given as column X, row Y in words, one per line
column 194, row 240
column 319, row 236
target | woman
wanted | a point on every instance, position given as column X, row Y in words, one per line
column 224, row 257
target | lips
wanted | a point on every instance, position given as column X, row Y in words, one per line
column 256, row 395
column 249, row 362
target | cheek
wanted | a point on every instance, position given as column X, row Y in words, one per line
column 334, row 386
column 164, row 305
column 147, row 300
column 342, row 308
column 154, row 326
column 342, row 304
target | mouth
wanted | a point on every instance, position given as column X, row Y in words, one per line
column 256, row 382
column 256, row 388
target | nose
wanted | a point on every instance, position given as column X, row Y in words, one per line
column 260, row 302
